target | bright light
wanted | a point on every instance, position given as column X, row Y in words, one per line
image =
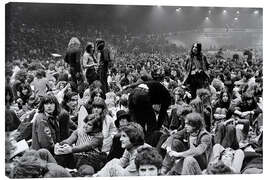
column 256, row 12
column 237, row 12
column 236, row 19
column 224, row 11
column 178, row 9
column 207, row 18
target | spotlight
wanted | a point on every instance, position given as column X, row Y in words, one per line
column 237, row 12
column 178, row 9
column 236, row 19
column 224, row 11
column 207, row 18
column 256, row 12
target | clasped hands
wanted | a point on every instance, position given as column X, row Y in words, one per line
column 62, row 149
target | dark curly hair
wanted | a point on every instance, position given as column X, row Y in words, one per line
column 30, row 165
column 219, row 168
column 148, row 156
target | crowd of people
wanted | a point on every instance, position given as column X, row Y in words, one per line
column 95, row 112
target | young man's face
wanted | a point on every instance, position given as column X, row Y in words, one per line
column 49, row 108
column 188, row 127
column 72, row 104
column 148, row 170
column 125, row 141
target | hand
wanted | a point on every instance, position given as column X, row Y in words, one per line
column 173, row 132
column 174, row 154
column 188, row 94
column 67, row 149
column 245, row 114
column 19, row 101
column 168, row 149
column 97, row 115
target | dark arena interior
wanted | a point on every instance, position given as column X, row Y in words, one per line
column 98, row 90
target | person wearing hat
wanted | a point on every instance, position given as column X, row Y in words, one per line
column 104, row 61
column 89, row 63
column 116, row 149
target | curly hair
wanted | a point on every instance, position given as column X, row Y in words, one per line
column 30, row 166
column 204, row 95
column 219, row 168
column 195, row 120
column 148, row 156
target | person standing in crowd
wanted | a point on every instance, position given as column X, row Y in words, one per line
column 73, row 59
column 104, row 62
column 89, row 62
column 196, row 67
column 148, row 105
column 40, row 83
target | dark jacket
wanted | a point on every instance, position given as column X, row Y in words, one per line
column 45, row 132
column 203, row 145
column 140, row 105
column 11, row 119
column 200, row 63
